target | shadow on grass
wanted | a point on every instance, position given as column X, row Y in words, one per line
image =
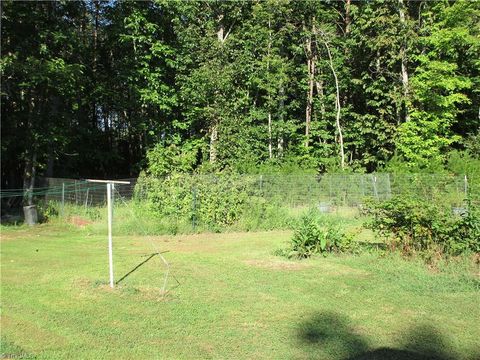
column 151, row 256
column 334, row 334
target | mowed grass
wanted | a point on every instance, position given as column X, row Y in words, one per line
column 233, row 299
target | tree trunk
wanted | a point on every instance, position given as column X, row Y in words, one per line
column 280, row 145
column 220, row 33
column 280, row 139
column 270, row 153
column 95, row 35
column 222, row 37
column 31, row 153
column 213, row 143
column 321, row 95
column 348, row 19
column 337, row 106
column 403, row 56
column 29, row 176
column 311, row 75
column 50, row 163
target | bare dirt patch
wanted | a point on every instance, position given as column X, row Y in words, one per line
column 79, row 221
column 276, row 264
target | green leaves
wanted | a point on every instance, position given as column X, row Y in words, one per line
column 314, row 234
column 440, row 91
column 416, row 225
column 230, row 82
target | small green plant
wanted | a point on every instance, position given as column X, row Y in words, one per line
column 315, row 234
column 47, row 210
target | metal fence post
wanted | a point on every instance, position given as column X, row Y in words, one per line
column 194, row 208
column 86, row 198
column 389, row 187
column 465, row 186
column 63, row 199
column 76, row 193
column 374, row 182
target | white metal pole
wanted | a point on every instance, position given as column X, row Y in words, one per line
column 110, row 245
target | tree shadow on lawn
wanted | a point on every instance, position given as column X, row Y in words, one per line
column 332, row 332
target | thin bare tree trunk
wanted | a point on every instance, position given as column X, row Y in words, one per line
column 280, row 146
column 214, row 127
column 280, row 138
column 220, row 32
column 270, row 151
column 321, row 96
column 403, row 56
column 337, row 106
column 311, row 75
column 95, row 35
column 213, row 143
column 348, row 19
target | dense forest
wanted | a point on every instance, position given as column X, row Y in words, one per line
column 107, row 88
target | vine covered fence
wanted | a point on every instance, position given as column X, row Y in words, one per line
column 210, row 201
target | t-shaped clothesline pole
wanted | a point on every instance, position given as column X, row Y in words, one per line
column 110, row 188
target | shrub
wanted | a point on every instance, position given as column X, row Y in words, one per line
column 47, row 210
column 415, row 225
column 314, row 234
column 212, row 201
column 465, row 232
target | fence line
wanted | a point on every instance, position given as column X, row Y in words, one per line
column 286, row 190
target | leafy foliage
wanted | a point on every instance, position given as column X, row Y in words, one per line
column 315, row 234
column 107, row 89
column 210, row 202
column 47, row 210
column 418, row 226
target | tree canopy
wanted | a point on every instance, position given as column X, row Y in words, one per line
column 103, row 88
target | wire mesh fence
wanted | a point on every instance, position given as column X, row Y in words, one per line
column 83, row 192
column 208, row 201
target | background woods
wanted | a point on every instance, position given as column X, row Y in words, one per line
column 104, row 89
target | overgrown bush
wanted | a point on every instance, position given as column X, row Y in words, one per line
column 415, row 225
column 315, row 234
column 464, row 234
column 210, row 202
column 47, row 210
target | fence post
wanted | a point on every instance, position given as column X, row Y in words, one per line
column 329, row 189
column 86, row 198
column 374, row 182
column 76, row 193
column 362, row 185
column 194, row 208
column 63, row 199
column 465, row 186
column 389, row 187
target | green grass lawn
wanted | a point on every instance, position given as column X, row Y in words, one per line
column 235, row 299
